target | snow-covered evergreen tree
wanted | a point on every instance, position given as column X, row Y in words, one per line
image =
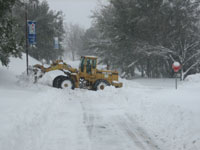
column 49, row 24
column 148, row 35
column 8, row 43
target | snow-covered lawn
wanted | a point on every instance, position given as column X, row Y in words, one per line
column 146, row 114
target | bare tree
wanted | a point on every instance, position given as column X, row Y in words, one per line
column 188, row 56
column 73, row 39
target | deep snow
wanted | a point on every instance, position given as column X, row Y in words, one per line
column 145, row 114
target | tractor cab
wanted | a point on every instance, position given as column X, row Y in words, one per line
column 88, row 65
column 92, row 78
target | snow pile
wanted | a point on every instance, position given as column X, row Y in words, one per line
column 48, row 77
column 191, row 82
column 16, row 71
column 17, row 65
column 193, row 78
column 6, row 77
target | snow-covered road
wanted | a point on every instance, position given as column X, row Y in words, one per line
column 43, row 118
column 48, row 118
column 146, row 114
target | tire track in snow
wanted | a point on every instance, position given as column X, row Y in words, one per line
column 100, row 132
column 88, row 120
column 136, row 133
column 120, row 129
column 107, row 122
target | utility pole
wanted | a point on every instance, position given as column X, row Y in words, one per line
column 26, row 32
column 30, row 37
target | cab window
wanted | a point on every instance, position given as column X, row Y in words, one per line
column 81, row 66
column 89, row 66
column 94, row 63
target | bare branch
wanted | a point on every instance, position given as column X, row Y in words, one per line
column 191, row 57
column 192, row 66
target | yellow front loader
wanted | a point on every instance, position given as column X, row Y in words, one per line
column 87, row 76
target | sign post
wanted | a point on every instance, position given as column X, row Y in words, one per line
column 176, row 67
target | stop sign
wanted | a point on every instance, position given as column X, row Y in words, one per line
column 176, row 66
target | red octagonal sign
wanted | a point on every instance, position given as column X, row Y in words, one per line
column 176, row 66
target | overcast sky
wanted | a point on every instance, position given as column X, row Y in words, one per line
column 76, row 11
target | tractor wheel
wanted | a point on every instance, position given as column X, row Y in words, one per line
column 66, row 83
column 57, row 80
column 100, row 84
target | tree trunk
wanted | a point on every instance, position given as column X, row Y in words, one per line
column 182, row 74
column 142, row 70
column 73, row 57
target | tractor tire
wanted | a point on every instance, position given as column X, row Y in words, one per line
column 100, row 84
column 57, row 80
column 66, row 83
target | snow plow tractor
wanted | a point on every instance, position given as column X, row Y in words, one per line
column 87, row 76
